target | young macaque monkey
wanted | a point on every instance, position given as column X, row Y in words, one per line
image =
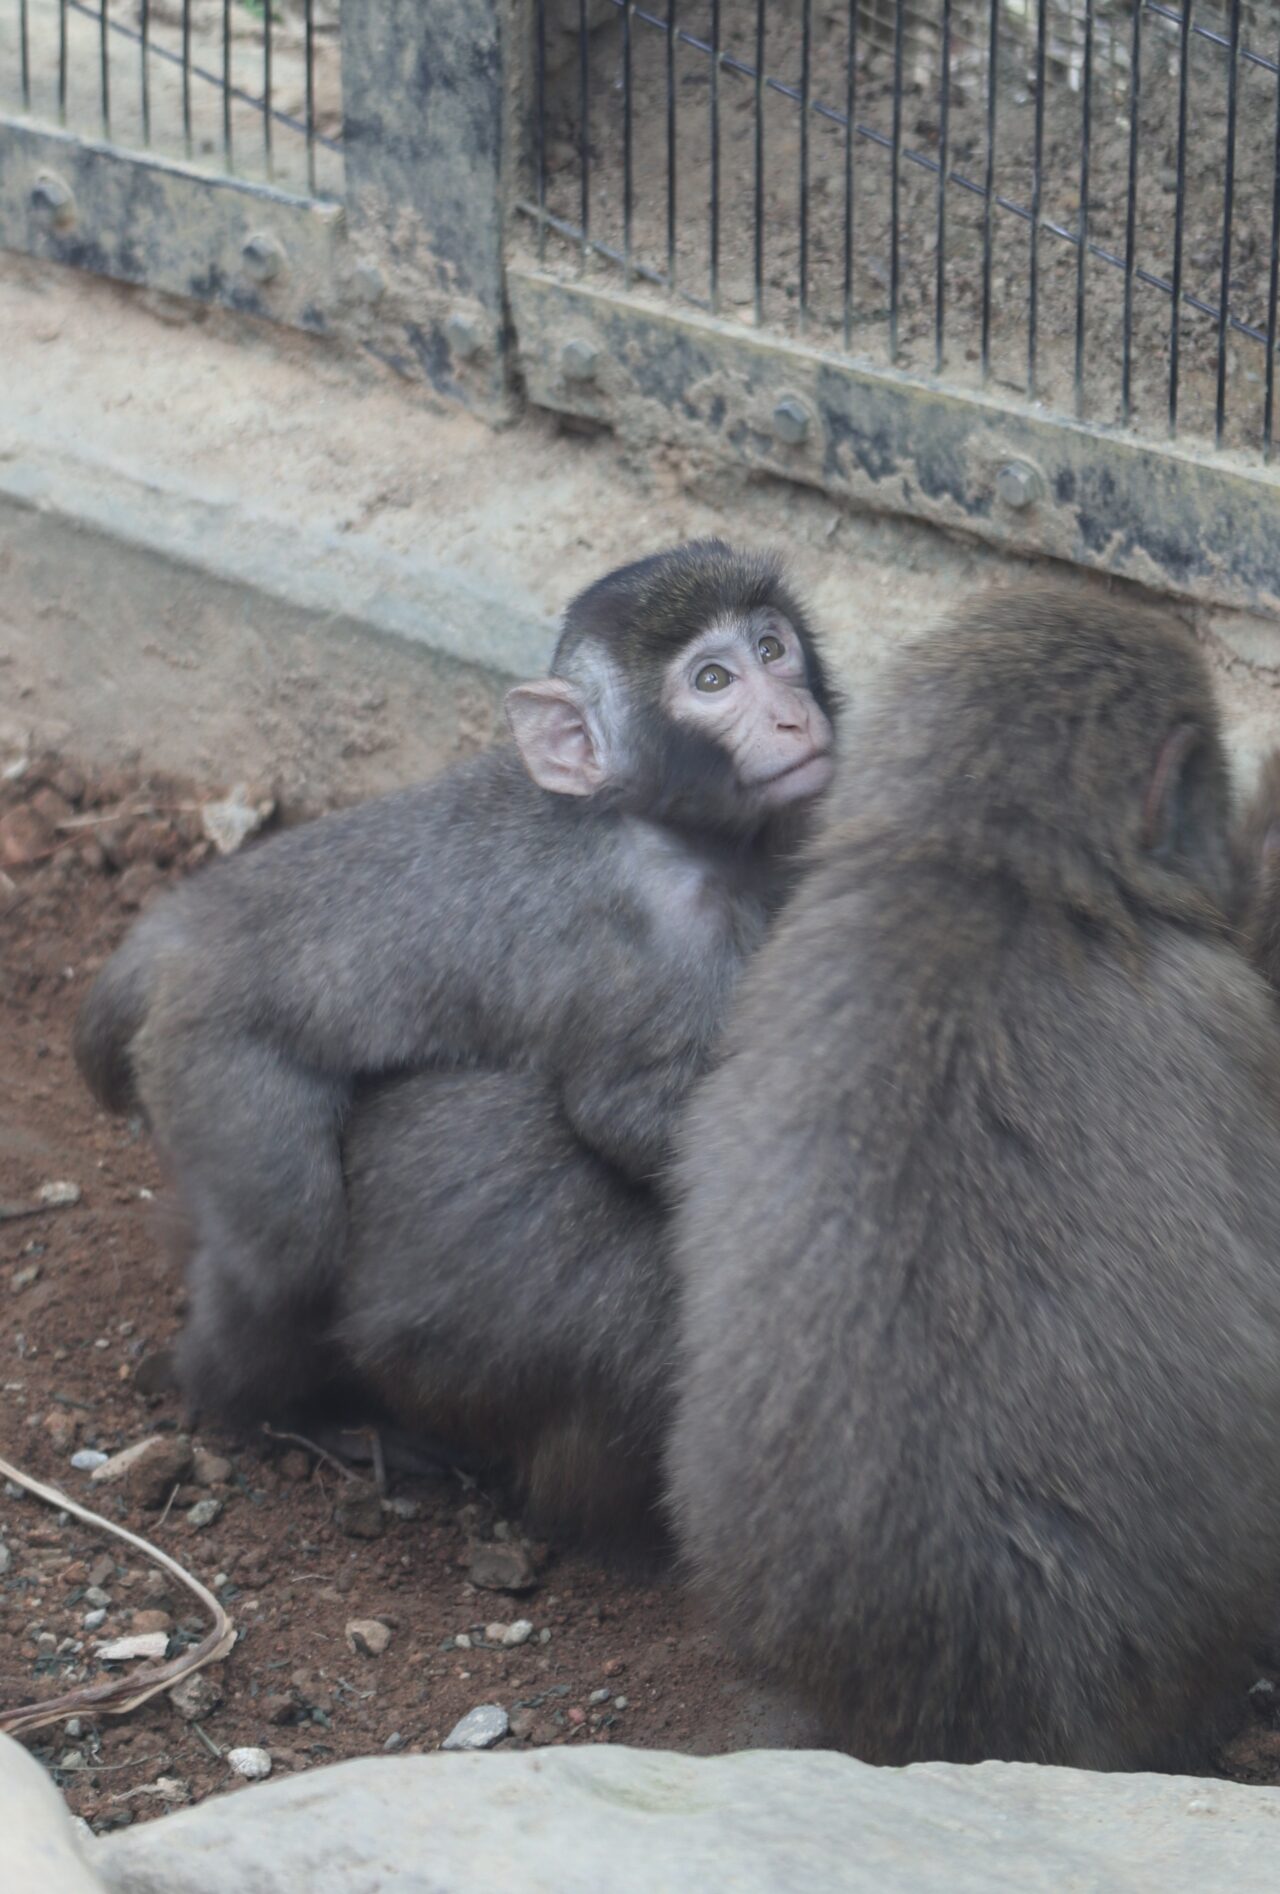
column 574, row 904
column 977, row 1438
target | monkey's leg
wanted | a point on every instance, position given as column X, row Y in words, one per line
column 252, row 1142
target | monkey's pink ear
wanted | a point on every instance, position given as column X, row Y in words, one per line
column 1162, row 810
column 554, row 738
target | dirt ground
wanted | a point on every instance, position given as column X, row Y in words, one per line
column 921, row 125
column 89, row 1301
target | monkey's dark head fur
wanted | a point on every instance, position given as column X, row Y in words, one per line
column 640, row 617
column 1069, row 744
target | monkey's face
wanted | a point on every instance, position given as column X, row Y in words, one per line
column 743, row 684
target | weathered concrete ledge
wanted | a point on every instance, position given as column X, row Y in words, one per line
column 650, row 1822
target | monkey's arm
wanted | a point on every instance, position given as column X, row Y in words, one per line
column 628, row 1114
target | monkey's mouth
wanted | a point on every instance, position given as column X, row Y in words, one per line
column 808, row 777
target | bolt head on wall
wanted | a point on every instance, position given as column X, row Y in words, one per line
column 791, row 421
column 263, row 256
column 1019, row 484
column 53, row 199
column 579, row 360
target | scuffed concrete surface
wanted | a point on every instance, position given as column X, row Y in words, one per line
column 204, row 523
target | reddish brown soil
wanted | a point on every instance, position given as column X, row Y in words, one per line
column 101, row 1301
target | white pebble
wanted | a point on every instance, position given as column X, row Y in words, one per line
column 93, row 1619
column 495, row 1634
column 204, row 1512
column 88, row 1458
column 480, row 1728
column 620, row 1703
column 252, row 1764
column 599, row 1696
column 544, row 1636
column 59, row 1193
column 462, row 1642
column 125, row 1650
column 96, row 1598
column 518, row 1633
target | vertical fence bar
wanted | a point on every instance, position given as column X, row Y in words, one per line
column 104, row 63
column 540, row 110
column 268, row 84
column 895, row 178
column 758, row 206
column 62, row 62
column 989, row 189
column 1131, row 217
column 944, row 165
column 1082, row 252
column 1273, row 292
column 1037, row 189
column 584, row 132
column 628, row 180
column 1179, row 212
column 672, row 30
column 186, row 76
column 309, row 38
column 806, row 81
column 144, row 75
column 714, row 246
column 850, row 102
column 226, row 83
column 24, row 52
column 1228, row 206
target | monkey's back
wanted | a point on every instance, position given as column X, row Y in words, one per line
column 978, row 1438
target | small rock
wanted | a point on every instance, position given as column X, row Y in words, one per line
column 71, row 1759
column 358, row 1512
column 394, row 1743
column 46, row 1641
column 61, row 1427
column 544, row 1636
column 149, row 1469
column 126, row 1650
column 95, row 1619
column 95, row 1596
column 209, row 1469
column 480, row 1728
column 499, row 1567
column 23, row 1278
column 136, row 883
column 73, row 1727
column 367, row 1637
column 204, row 1512
column 196, row 1697
column 599, row 1696
column 25, row 837
column 229, row 824
column 522, row 1724
column 518, row 1633
column 463, row 1641
column 577, row 1714
column 280, row 1707
column 6, row 1559
column 103, row 1570
column 88, row 1460
column 151, row 1620
column 252, row 1764
column 58, row 1194
column 495, row 1633
column 621, row 1703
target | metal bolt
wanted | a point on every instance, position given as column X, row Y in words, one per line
column 1019, row 484
column 53, row 197
column 791, row 421
column 579, row 360
column 263, row 256
column 464, row 337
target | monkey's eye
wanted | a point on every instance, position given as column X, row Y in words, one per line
column 770, row 648
column 712, row 677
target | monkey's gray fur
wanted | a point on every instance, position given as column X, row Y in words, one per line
column 507, row 1289
column 476, row 920
column 978, row 1428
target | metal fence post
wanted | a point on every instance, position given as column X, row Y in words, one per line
column 432, row 100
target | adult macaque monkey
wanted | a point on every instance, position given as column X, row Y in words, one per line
column 978, row 1429
column 576, row 901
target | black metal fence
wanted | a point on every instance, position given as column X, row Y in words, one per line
column 248, row 87
column 1075, row 199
